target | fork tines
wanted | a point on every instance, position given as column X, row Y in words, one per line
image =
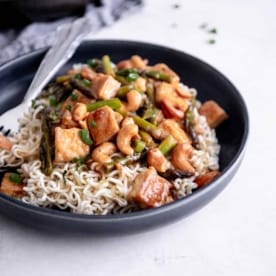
column 4, row 132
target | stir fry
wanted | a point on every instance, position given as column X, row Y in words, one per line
column 115, row 115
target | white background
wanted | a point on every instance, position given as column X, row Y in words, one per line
column 236, row 233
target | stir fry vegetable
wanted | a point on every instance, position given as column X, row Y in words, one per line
column 105, row 115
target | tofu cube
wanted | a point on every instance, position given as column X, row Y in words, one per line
column 104, row 87
column 68, row 145
column 214, row 114
column 102, row 124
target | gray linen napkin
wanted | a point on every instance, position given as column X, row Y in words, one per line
column 39, row 35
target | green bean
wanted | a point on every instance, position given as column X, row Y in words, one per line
column 114, row 103
column 107, row 66
column 167, row 145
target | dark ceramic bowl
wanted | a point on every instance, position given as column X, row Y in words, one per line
column 232, row 134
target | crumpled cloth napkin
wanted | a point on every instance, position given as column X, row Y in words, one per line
column 40, row 35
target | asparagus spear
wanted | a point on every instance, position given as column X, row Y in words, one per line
column 46, row 147
column 139, row 146
column 114, row 103
column 158, row 75
column 147, row 139
column 143, row 124
column 167, row 145
column 107, row 66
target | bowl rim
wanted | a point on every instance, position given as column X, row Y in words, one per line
column 117, row 218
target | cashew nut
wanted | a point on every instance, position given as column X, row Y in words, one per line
column 141, row 84
column 156, row 159
column 134, row 100
column 180, row 158
column 101, row 154
column 128, row 132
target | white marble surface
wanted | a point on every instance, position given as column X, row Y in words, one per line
column 235, row 233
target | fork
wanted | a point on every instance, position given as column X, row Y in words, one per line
column 69, row 37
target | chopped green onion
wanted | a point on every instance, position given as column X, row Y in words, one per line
column 211, row 41
column 93, row 62
column 77, row 76
column 15, row 178
column 86, row 83
column 53, row 101
column 93, row 123
column 75, row 160
column 68, row 107
column 213, row 31
column 114, row 103
column 132, row 77
column 84, row 135
column 129, row 74
column 74, row 97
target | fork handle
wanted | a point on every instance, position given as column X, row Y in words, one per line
column 68, row 39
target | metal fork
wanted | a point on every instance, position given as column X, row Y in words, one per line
column 68, row 39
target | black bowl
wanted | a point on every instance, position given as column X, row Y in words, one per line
column 232, row 134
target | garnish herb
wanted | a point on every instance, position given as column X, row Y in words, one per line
column 213, row 31
column 77, row 76
column 212, row 41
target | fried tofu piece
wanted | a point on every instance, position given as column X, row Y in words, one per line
column 206, row 178
column 102, row 124
column 68, row 145
column 214, row 114
column 171, row 127
column 10, row 188
column 150, row 190
column 104, row 87
column 5, row 143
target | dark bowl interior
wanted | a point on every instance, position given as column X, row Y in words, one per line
column 210, row 84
